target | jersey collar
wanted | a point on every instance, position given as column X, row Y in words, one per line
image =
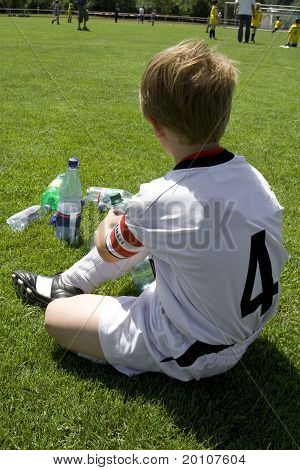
column 212, row 157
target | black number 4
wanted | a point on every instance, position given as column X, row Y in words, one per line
column 259, row 254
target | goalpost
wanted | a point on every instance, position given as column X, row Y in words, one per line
column 287, row 13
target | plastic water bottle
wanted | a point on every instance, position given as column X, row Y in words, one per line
column 22, row 219
column 118, row 205
column 142, row 274
column 102, row 196
column 69, row 207
column 51, row 195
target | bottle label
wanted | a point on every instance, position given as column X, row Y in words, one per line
column 67, row 226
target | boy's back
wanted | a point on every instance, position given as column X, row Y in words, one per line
column 215, row 236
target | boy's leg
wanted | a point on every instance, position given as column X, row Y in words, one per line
column 83, row 277
column 253, row 34
column 91, row 271
column 74, row 323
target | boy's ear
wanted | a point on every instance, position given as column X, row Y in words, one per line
column 158, row 129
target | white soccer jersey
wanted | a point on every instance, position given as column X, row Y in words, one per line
column 214, row 229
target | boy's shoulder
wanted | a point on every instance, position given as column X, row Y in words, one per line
column 184, row 183
column 151, row 192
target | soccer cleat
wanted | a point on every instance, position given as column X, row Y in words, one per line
column 79, row 29
column 85, row 29
column 41, row 290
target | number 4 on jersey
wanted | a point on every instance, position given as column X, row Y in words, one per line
column 259, row 255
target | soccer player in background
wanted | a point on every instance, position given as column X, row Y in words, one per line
column 70, row 9
column 56, row 12
column 211, row 224
column 293, row 35
column 117, row 10
column 277, row 24
column 256, row 20
column 213, row 20
column 152, row 17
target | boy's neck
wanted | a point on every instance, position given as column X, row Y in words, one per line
column 172, row 145
column 183, row 151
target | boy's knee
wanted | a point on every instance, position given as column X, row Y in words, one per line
column 52, row 314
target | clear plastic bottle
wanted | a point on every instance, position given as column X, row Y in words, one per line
column 118, row 205
column 102, row 196
column 142, row 274
column 22, row 219
column 51, row 195
column 69, row 207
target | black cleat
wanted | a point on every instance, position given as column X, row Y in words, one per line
column 41, row 290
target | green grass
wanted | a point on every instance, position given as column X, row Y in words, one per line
column 68, row 93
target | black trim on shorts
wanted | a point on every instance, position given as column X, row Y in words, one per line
column 198, row 349
column 211, row 160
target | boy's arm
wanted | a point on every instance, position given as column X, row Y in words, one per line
column 114, row 240
column 104, row 229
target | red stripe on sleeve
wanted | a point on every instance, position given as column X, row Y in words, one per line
column 127, row 235
column 115, row 245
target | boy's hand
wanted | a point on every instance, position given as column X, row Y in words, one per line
column 112, row 219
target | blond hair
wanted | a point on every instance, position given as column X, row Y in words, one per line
column 188, row 89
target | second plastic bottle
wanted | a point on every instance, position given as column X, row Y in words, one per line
column 69, row 207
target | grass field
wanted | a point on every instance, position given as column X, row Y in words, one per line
column 65, row 93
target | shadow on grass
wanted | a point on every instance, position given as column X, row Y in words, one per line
column 253, row 406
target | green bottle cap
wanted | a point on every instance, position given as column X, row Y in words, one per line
column 115, row 198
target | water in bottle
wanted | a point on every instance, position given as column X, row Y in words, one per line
column 69, row 207
column 142, row 274
column 51, row 195
column 22, row 219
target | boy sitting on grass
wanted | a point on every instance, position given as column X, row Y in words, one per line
column 212, row 226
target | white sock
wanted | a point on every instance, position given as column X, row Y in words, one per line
column 89, row 272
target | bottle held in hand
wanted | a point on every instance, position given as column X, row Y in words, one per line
column 102, row 196
column 117, row 203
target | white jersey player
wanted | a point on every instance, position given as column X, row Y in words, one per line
column 212, row 226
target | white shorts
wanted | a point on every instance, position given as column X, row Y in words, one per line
column 133, row 344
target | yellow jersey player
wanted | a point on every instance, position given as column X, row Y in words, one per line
column 70, row 8
column 256, row 20
column 213, row 19
column 277, row 24
column 293, row 35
